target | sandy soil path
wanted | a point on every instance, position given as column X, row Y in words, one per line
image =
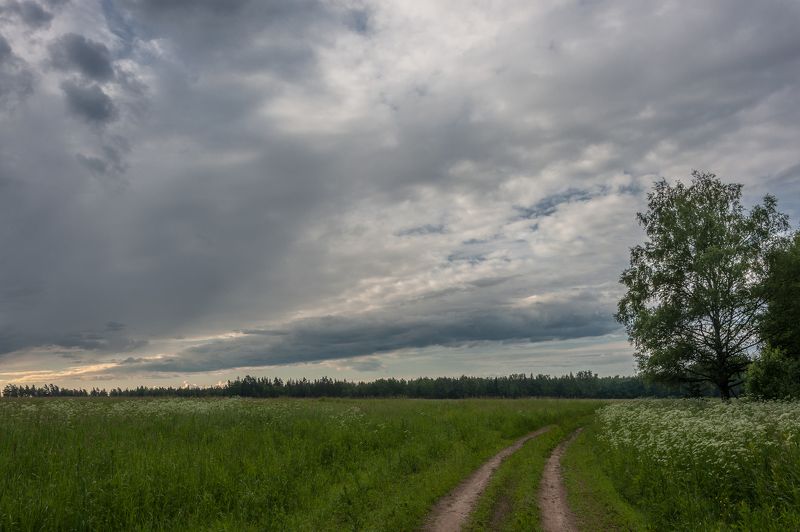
column 452, row 510
column 556, row 515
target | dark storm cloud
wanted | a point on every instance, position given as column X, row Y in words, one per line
column 108, row 341
column 89, row 102
column 337, row 337
column 163, row 267
column 75, row 52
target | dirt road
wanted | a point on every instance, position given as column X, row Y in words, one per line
column 555, row 513
column 452, row 511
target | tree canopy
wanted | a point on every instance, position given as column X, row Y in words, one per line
column 695, row 288
column 776, row 374
column 781, row 323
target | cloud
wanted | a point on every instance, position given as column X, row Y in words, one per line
column 31, row 13
column 342, row 337
column 364, row 364
column 5, row 49
column 90, row 58
column 426, row 229
column 114, row 326
column 108, row 341
column 95, row 164
column 89, row 102
column 16, row 78
column 285, row 181
column 549, row 205
column 109, row 162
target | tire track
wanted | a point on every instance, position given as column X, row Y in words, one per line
column 554, row 510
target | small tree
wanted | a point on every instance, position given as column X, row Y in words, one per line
column 695, row 287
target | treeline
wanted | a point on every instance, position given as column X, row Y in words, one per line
column 583, row 384
column 48, row 390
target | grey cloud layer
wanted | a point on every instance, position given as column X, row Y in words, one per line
column 421, row 177
column 334, row 337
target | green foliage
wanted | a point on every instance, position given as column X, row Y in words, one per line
column 246, row 464
column 695, row 287
column 774, row 375
column 781, row 323
column 704, row 465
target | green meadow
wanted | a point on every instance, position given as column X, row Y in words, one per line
column 248, row 464
column 381, row 464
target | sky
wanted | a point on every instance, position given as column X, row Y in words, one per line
column 192, row 190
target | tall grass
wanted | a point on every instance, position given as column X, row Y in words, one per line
column 705, row 464
column 237, row 464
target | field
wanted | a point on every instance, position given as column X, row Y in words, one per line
column 699, row 464
column 375, row 464
column 237, row 464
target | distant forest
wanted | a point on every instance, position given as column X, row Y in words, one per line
column 583, row 384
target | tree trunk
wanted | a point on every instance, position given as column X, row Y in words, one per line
column 724, row 390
